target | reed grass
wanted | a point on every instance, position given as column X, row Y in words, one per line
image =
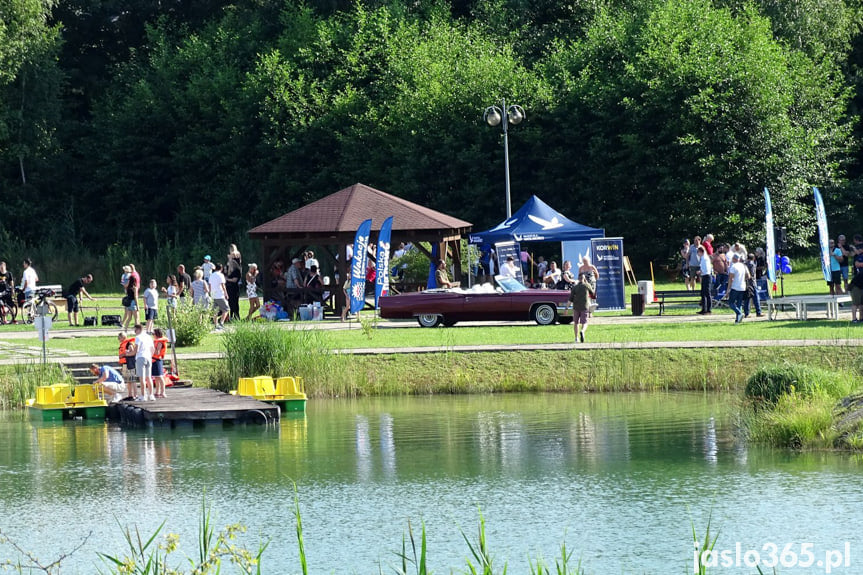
column 480, row 552
column 152, row 556
column 156, row 554
column 703, row 548
column 262, row 348
column 418, row 561
column 18, row 382
column 706, row 370
column 561, row 565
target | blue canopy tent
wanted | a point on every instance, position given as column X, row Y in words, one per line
column 536, row 221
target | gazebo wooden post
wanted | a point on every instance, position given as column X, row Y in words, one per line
column 456, row 261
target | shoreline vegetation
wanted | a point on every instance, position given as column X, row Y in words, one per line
column 811, row 401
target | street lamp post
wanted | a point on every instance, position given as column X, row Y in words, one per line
column 504, row 116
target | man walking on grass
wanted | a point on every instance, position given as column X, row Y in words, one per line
column 218, row 292
column 738, row 276
column 579, row 295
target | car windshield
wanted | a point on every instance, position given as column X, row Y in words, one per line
column 509, row 284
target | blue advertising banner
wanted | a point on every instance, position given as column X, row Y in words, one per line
column 358, row 266
column 432, row 281
column 382, row 276
column 771, row 240
column 573, row 251
column 509, row 249
column 607, row 256
column 823, row 236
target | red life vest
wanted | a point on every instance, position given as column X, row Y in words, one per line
column 161, row 345
column 124, row 347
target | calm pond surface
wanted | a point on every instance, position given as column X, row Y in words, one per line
column 618, row 477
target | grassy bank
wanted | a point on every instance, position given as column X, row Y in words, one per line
column 383, row 336
column 332, row 375
column 559, row 371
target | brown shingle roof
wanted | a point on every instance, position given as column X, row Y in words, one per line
column 345, row 210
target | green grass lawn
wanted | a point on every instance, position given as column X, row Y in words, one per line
column 805, row 279
column 838, row 331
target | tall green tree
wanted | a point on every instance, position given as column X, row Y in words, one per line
column 683, row 113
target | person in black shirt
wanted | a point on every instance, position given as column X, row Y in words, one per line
column 233, row 275
column 858, row 254
column 7, row 285
column 71, row 295
column 184, row 282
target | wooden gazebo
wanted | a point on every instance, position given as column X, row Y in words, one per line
column 332, row 222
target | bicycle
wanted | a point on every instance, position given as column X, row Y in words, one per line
column 30, row 309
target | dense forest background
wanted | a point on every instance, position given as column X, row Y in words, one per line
column 130, row 128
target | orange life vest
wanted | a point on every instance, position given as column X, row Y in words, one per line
column 124, row 347
column 160, row 349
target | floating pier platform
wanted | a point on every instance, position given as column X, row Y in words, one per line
column 193, row 406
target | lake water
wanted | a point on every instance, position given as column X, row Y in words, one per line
column 621, row 478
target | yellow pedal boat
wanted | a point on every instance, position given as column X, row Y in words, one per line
column 286, row 392
column 62, row 401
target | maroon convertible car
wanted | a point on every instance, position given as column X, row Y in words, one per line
column 509, row 301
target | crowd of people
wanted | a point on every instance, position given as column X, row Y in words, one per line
column 141, row 361
column 729, row 272
column 210, row 284
column 300, row 284
column 724, row 272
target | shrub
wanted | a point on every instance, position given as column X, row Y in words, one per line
column 770, row 383
column 191, row 324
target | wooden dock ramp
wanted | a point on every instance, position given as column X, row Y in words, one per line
column 193, row 406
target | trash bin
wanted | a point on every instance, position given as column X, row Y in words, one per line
column 637, row 303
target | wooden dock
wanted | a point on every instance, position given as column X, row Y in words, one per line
column 193, row 406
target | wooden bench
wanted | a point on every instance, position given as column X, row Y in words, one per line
column 675, row 296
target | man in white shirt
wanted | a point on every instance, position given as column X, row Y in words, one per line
column 552, row 276
column 705, row 272
column 218, row 292
column 29, row 279
column 508, row 269
column 144, row 350
column 738, row 274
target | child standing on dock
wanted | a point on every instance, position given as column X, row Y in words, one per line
column 160, row 345
column 144, row 350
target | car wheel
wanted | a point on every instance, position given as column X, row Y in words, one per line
column 544, row 314
column 449, row 322
column 429, row 320
column 565, row 320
